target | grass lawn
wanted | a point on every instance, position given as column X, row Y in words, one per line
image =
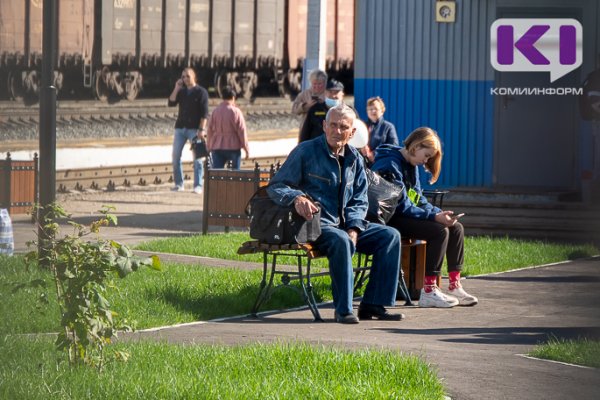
column 219, row 245
column 186, row 293
column 30, row 369
column 581, row 352
column 146, row 298
column 483, row 255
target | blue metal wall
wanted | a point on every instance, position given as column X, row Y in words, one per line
column 460, row 111
column 439, row 74
column 431, row 74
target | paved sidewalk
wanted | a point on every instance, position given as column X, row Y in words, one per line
column 477, row 350
column 143, row 214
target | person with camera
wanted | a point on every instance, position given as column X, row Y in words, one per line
column 416, row 218
column 192, row 100
column 310, row 96
column 327, row 174
column 226, row 134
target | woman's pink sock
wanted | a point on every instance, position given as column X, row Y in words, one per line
column 430, row 283
column 454, row 277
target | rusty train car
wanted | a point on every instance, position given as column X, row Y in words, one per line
column 120, row 48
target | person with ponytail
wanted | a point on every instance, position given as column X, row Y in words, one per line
column 416, row 218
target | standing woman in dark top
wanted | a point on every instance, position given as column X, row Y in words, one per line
column 191, row 123
column 416, row 218
column 380, row 130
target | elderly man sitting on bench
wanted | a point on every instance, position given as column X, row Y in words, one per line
column 328, row 171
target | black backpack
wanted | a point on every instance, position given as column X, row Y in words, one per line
column 274, row 224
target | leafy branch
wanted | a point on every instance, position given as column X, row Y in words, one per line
column 82, row 269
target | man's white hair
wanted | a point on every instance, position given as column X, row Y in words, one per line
column 343, row 110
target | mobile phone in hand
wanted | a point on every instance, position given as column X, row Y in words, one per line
column 457, row 216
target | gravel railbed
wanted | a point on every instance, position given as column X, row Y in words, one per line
column 133, row 128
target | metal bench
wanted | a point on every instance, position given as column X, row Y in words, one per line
column 303, row 273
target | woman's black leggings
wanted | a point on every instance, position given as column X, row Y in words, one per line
column 440, row 241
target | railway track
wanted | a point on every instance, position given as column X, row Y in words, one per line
column 14, row 114
column 112, row 178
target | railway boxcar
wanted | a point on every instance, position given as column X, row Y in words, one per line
column 21, row 45
column 117, row 48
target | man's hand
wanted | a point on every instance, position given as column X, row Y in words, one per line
column 305, row 208
column 353, row 234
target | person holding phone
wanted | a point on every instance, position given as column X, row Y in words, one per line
column 416, row 218
column 310, row 96
column 192, row 100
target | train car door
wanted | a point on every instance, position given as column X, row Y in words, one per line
column 536, row 135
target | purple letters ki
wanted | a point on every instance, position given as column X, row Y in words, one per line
column 525, row 44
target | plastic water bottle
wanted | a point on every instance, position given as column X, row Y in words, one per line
column 7, row 244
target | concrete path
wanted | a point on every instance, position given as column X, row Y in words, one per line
column 477, row 350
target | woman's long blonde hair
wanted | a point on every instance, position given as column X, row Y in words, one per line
column 425, row 137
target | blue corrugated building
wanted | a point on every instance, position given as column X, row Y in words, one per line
column 439, row 74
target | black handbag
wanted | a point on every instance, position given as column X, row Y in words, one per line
column 274, row 224
column 383, row 198
column 199, row 149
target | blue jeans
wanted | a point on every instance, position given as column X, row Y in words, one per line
column 182, row 135
column 383, row 243
column 220, row 157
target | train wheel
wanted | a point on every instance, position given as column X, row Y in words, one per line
column 248, row 82
column 101, row 89
column 293, row 83
column 58, row 81
column 133, row 85
column 243, row 84
column 220, row 82
column 15, row 85
column 131, row 91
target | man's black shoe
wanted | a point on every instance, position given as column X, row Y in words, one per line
column 370, row 311
column 346, row 319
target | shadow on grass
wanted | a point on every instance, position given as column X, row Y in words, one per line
column 503, row 336
column 210, row 306
column 176, row 221
column 578, row 254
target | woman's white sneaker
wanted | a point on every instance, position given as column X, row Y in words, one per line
column 464, row 298
column 436, row 298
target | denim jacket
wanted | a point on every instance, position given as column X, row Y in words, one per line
column 391, row 165
column 341, row 189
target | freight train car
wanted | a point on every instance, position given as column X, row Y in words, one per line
column 121, row 48
column 21, row 46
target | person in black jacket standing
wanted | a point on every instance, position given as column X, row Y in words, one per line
column 313, row 124
column 191, row 124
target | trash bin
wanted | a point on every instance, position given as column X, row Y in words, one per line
column 18, row 184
